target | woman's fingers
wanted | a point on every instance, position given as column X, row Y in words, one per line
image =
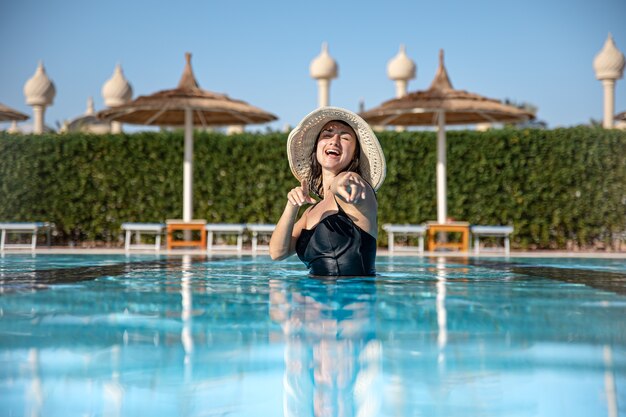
column 305, row 190
column 342, row 190
column 361, row 193
column 292, row 198
column 354, row 192
column 352, row 189
column 298, row 197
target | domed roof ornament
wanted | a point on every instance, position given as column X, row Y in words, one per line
column 609, row 67
column 39, row 90
column 609, row 62
column 87, row 122
column 324, row 66
column 401, row 67
column 91, row 110
column 117, row 90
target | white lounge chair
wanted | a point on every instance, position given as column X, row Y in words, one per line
column 257, row 229
column 224, row 229
column 494, row 231
column 23, row 228
column 138, row 229
column 405, row 230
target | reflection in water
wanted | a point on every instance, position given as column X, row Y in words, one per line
column 442, row 335
column 332, row 358
column 609, row 382
column 113, row 391
column 35, row 396
column 186, row 315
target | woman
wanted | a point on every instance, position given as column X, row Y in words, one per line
column 336, row 156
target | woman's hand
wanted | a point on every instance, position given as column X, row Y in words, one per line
column 350, row 187
column 287, row 231
column 300, row 195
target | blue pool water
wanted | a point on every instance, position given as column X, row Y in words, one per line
column 195, row 336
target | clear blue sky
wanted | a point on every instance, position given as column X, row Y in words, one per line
column 537, row 51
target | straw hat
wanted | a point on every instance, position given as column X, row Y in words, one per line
column 302, row 140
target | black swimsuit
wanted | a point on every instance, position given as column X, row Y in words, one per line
column 337, row 246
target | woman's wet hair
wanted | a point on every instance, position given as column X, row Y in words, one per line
column 315, row 175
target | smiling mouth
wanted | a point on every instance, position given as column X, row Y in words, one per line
column 333, row 152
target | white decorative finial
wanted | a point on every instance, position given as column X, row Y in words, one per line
column 609, row 67
column 39, row 92
column 39, row 89
column 117, row 90
column 609, row 62
column 324, row 66
column 90, row 107
column 401, row 67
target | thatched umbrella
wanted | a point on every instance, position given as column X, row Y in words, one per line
column 7, row 114
column 187, row 105
column 440, row 105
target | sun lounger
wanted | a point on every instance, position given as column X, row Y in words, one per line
column 405, row 230
column 22, row 228
column 259, row 229
column 138, row 229
column 214, row 229
column 497, row 231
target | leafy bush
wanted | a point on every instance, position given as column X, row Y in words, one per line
column 560, row 188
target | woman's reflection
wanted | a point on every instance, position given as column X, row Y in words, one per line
column 332, row 357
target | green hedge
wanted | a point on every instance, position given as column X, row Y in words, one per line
column 560, row 188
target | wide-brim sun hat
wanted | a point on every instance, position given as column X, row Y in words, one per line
column 303, row 138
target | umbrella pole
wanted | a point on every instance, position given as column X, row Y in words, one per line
column 188, row 168
column 442, row 204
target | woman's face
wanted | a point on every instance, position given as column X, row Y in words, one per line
column 336, row 146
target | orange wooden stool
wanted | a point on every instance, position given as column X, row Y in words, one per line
column 454, row 227
column 192, row 225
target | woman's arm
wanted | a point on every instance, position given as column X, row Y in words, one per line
column 287, row 231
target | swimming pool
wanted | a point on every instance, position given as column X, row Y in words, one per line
column 195, row 336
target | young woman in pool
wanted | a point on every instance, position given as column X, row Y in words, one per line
column 336, row 156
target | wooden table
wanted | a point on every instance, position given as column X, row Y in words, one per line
column 192, row 225
column 453, row 227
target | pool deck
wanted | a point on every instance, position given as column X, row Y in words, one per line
column 381, row 252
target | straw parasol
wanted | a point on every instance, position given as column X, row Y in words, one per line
column 7, row 114
column 440, row 105
column 187, row 105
